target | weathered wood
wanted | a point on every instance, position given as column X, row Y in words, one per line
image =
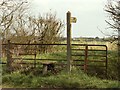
column 68, row 42
column 0, row 49
column 55, row 44
column 35, row 57
column 26, row 54
column 106, row 64
column 37, row 44
column 40, row 59
column 86, row 56
column 9, row 57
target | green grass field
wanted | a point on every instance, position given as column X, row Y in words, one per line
column 77, row 79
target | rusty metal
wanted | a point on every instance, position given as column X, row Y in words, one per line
column 88, row 45
column 86, row 55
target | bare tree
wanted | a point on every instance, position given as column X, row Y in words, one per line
column 9, row 9
column 113, row 9
column 48, row 29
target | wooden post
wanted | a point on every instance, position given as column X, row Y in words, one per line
column 118, row 61
column 106, row 60
column 35, row 55
column 68, row 42
column 0, row 61
column 0, row 49
column 86, row 57
column 8, row 57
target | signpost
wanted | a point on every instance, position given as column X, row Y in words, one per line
column 69, row 21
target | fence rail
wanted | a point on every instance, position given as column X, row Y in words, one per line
column 86, row 54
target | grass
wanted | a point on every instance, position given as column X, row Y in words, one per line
column 113, row 65
column 77, row 79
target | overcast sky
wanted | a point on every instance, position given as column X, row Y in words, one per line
column 90, row 14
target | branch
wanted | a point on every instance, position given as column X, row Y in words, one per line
column 103, row 32
column 113, row 26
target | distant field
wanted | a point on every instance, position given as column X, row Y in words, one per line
column 111, row 46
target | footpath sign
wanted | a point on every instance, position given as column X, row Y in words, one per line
column 73, row 20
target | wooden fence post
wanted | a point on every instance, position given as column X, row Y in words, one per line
column 106, row 60
column 8, row 57
column 0, row 62
column 0, row 49
column 35, row 55
column 118, row 61
column 86, row 57
column 68, row 42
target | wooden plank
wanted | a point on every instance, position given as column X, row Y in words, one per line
column 78, row 60
column 24, row 63
column 78, row 64
column 96, row 66
column 77, row 55
column 26, row 54
column 57, row 44
column 3, row 63
column 40, row 44
column 40, row 59
column 96, row 61
column 78, row 49
column 95, row 50
column 97, row 55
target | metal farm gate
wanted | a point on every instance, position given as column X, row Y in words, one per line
column 89, row 55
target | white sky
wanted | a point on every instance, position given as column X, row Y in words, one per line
column 90, row 14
